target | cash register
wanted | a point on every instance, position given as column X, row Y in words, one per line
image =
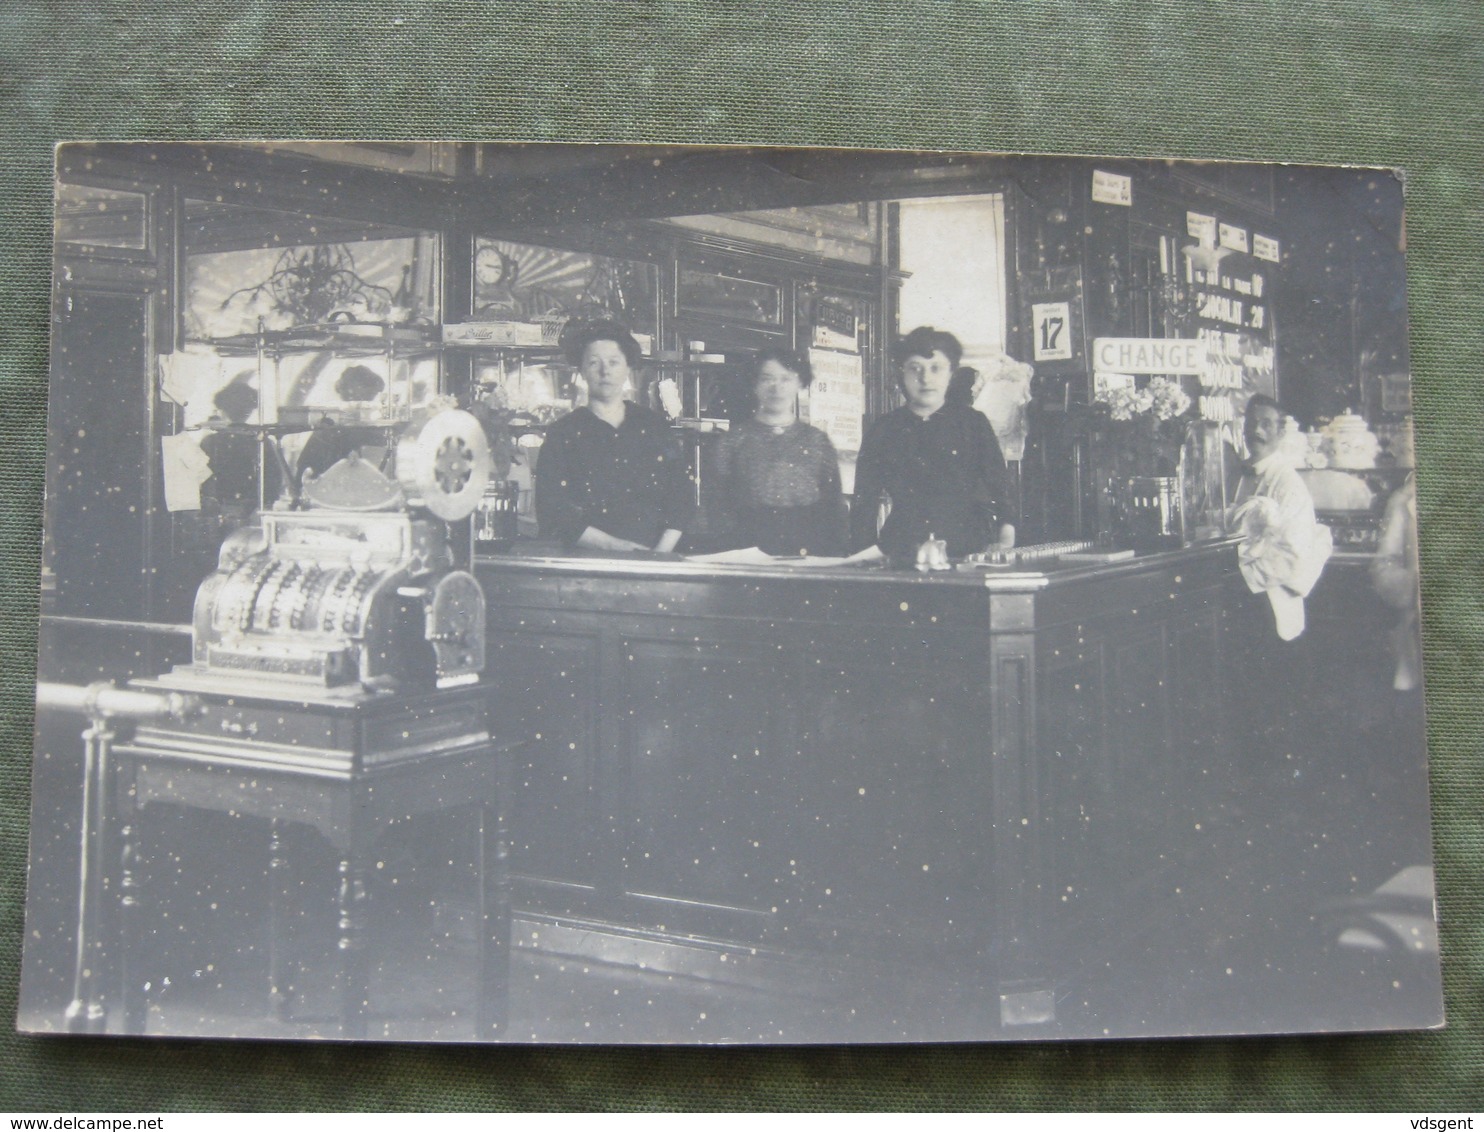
column 336, row 659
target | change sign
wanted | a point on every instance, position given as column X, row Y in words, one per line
column 1149, row 355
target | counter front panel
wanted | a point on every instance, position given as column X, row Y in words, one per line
column 842, row 770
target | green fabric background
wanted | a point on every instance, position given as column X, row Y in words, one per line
column 1357, row 81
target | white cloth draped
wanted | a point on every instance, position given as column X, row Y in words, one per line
column 1283, row 547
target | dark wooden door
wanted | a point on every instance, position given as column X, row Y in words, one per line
column 98, row 459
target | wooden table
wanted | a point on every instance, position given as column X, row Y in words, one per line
column 344, row 765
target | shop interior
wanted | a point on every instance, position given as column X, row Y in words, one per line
column 625, row 875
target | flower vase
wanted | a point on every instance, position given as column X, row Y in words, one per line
column 1140, row 460
column 1155, row 519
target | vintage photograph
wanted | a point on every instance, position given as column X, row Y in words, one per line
column 635, row 594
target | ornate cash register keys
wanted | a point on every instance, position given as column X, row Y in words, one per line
column 357, row 593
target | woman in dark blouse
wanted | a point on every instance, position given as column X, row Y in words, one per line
column 938, row 462
column 610, row 476
column 777, row 479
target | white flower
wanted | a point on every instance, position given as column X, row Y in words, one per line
column 1122, row 404
column 1168, row 399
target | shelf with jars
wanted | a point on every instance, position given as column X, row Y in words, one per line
column 1351, row 468
column 532, row 386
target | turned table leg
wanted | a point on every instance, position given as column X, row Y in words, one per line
column 352, row 907
column 86, row 1013
column 493, row 957
column 281, row 969
column 133, row 1005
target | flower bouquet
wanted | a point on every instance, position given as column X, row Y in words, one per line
column 1146, row 425
column 1138, row 437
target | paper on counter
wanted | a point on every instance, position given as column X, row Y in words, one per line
column 751, row 556
column 817, row 560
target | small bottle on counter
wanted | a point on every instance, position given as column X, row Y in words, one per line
column 496, row 519
column 932, row 554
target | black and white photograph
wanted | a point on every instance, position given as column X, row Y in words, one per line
column 616, row 594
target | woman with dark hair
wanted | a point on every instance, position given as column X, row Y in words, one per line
column 938, row 462
column 777, row 479
column 609, row 475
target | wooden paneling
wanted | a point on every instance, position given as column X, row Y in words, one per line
column 99, row 451
column 853, row 768
column 548, row 690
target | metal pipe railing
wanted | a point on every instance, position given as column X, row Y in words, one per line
column 103, row 704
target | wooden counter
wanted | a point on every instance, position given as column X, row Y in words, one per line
column 937, row 785
column 857, row 805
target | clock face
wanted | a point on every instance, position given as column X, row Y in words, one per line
column 489, row 266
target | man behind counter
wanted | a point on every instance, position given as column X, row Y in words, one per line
column 1283, row 548
column 939, row 463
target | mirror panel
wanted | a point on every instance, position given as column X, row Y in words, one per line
column 516, row 282
column 102, row 218
column 319, row 320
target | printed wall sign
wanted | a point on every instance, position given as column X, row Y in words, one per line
column 1112, row 188
column 1052, row 325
